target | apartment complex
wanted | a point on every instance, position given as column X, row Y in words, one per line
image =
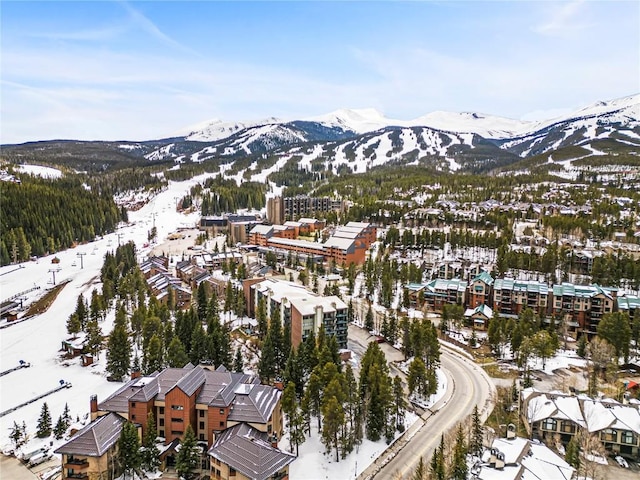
column 548, row 416
column 300, row 308
column 582, row 306
column 227, row 411
column 579, row 307
column 348, row 244
column 280, row 209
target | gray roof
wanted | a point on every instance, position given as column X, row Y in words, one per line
column 249, row 451
column 96, row 438
column 254, row 403
column 154, row 386
column 218, row 390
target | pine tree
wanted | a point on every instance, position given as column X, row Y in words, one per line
column 176, row 355
column 261, row 317
column 290, row 409
column 73, row 324
column 118, row 352
column 333, row 414
column 188, row 458
column 573, row 453
column 399, row 404
column 153, row 357
column 129, row 449
column 267, row 363
column 459, row 468
column 368, row 319
column 18, row 435
column 150, row 455
column 238, row 361
column 81, row 311
column 420, row 472
column 476, row 437
column 94, row 337
column 60, row 428
column 65, row 414
column 44, row 422
column 437, row 467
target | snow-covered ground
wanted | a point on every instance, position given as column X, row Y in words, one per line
column 40, row 171
column 38, row 340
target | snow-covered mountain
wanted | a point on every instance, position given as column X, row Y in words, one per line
column 617, row 120
column 356, row 140
column 216, row 129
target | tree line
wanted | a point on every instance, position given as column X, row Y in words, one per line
column 42, row 216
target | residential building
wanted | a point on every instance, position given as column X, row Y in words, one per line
column 511, row 296
column 91, row 453
column 629, row 304
column 301, row 309
column 480, row 290
column 437, row 293
column 520, row 459
column 582, row 306
column 479, row 317
column 209, row 400
column 244, row 453
column 551, row 416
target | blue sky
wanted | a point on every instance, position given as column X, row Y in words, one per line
column 142, row 70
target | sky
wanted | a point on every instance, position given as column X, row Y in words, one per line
column 119, row 70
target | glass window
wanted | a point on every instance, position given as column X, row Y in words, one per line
column 628, row 437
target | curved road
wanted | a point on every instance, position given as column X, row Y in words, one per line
column 467, row 385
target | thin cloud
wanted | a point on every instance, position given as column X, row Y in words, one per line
column 146, row 25
column 563, row 20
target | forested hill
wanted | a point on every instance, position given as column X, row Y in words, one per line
column 41, row 216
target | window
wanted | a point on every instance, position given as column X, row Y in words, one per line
column 176, row 432
column 161, row 410
column 628, row 437
column 162, row 422
column 222, row 424
column 201, row 413
column 201, row 437
column 201, row 426
column 232, row 472
column 222, row 411
column 177, row 407
column 133, row 418
column 549, row 424
column 133, row 404
column 161, row 433
column 177, row 420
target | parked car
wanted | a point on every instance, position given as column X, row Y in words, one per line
column 26, row 456
column 621, row 461
column 39, row 458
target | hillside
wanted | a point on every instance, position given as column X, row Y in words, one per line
column 357, row 140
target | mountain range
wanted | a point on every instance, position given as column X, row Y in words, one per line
column 357, row 140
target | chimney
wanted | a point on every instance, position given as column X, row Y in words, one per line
column 93, row 406
column 135, row 374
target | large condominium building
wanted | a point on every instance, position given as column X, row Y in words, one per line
column 280, row 209
column 582, row 306
column 225, row 410
column 301, row 309
column 510, row 296
column 348, row 244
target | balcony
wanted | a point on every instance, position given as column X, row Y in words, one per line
column 76, row 463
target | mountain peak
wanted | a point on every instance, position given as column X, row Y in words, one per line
column 488, row 126
column 216, row 129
